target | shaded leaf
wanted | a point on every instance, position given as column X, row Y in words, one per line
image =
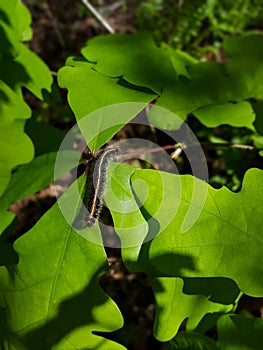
column 9, row 29
column 192, row 341
column 174, row 305
column 26, row 70
column 16, row 148
column 36, row 175
column 236, row 332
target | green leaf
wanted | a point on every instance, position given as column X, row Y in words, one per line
column 12, row 110
column 39, row 76
column 33, row 177
column 128, row 220
column 9, row 29
column 26, row 70
column 236, row 332
column 36, row 175
column 89, row 92
column 174, row 304
column 246, row 66
column 135, row 57
column 192, row 341
column 56, row 283
column 216, row 243
column 199, row 85
column 181, row 60
column 234, row 114
column 24, row 21
column 175, row 299
column 212, row 249
column 16, row 148
column 12, row 106
column 14, row 27
column 6, row 217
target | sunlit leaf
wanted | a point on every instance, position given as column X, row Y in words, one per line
column 52, row 298
column 229, row 113
column 183, row 85
column 90, row 92
column 212, row 250
column 215, row 245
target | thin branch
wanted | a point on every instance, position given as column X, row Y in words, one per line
column 247, row 147
column 226, row 145
column 98, row 16
column 177, row 147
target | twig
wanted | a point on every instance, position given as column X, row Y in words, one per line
column 247, row 147
column 227, row 145
column 98, row 16
column 179, row 146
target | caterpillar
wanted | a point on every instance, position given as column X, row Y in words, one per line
column 94, row 188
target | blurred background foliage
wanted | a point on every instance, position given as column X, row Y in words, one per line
column 199, row 26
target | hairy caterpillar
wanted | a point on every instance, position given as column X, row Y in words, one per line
column 94, row 188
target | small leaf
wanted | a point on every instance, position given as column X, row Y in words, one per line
column 12, row 106
column 24, row 21
column 13, row 139
column 36, row 175
column 9, row 29
column 13, row 110
column 234, row 114
column 236, row 332
column 174, row 305
column 27, row 70
column 192, row 341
